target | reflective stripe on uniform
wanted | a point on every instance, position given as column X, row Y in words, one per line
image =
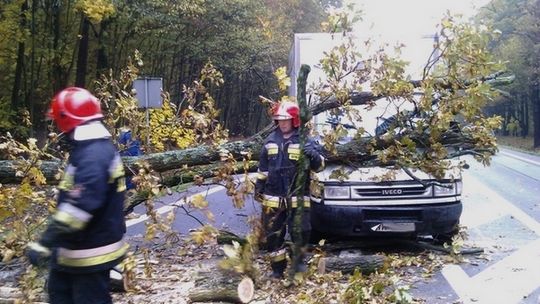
column 273, row 201
column 272, row 148
column 279, row 255
column 72, row 216
column 294, row 151
column 92, row 256
column 116, row 172
column 68, row 179
column 262, row 175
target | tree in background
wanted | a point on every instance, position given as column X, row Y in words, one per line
column 519, row 44
column 48, row 45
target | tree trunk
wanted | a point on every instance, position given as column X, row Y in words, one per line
column 535, row 101
column 58, row 77
column 302, row 171
column 82, row 55
column 214, row 286
column 102, row 63
column 356, row 151
column 15, row 93
column 348, row 261
column 9, row 295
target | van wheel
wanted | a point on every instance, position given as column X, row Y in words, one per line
column 442, row 238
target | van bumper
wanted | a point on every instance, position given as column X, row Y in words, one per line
column 427, row 219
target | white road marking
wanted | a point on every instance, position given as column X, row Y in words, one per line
column 530, row 161
column 494, row 206
column 171, row 206
column 510, row 279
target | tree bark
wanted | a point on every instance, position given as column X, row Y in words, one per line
column 82, row 56
column 302, row 171
column 356, row 151
column 216, row 286
column 348, row 263
column 535, row 102
column 9, row 295
column 15, row 93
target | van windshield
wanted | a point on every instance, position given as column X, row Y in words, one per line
column 373, row 122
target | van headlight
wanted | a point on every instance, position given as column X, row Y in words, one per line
column 337, row 192
column 459, row 187
column 444, row 189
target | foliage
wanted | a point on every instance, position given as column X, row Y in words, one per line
column 19, row 202
column 367, row 289
column 40, row 51
column 96, row 10
column 519, row 46
column 453, row 93
column 119, row 103
column 198, row 108
column 166, row 127
column 240, row 258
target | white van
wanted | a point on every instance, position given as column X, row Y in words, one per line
column 361, row 205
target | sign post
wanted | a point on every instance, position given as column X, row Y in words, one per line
column 148, row 95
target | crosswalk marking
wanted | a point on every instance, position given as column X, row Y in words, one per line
column 171, row 206
column 510, row 279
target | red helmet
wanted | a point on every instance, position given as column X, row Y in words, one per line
column 287, row 110
column 72, row 107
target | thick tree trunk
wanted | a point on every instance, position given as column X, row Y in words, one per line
column 356, row 151
column 9, row 295
column 348, row 261
column 214, row 286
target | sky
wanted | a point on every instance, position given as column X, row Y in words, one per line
column 405, row 18
column 409, row 22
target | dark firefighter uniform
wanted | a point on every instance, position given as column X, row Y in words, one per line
column 85, row 234
column 276, row 180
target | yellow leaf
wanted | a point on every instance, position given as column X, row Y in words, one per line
column 198, row 202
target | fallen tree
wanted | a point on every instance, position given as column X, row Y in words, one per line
column 216, row 285
column 359, row 151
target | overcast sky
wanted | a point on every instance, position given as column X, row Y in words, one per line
column 393, row 19
column 410, row 22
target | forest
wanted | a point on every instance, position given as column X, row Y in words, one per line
column 48, row 45
column 223, row 65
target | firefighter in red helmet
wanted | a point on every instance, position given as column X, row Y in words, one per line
column 276, row 180
column 84, row 238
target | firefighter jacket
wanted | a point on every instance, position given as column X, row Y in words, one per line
column 86, row 231
column 276, row 178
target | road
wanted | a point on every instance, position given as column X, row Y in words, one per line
column 501, row 213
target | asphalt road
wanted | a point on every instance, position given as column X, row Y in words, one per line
column 501, row 213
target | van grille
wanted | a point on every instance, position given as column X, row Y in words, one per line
column 372, row 192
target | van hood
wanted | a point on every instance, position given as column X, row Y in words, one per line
column 378, row 174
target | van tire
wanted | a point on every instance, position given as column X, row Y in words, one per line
column 442, row 238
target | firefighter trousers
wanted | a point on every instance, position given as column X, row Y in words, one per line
column 79, row 288
column 276, row 221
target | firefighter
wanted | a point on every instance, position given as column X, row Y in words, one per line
column 276, row 182
column 84, row 237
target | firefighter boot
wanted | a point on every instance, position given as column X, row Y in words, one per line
column 278, row 269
